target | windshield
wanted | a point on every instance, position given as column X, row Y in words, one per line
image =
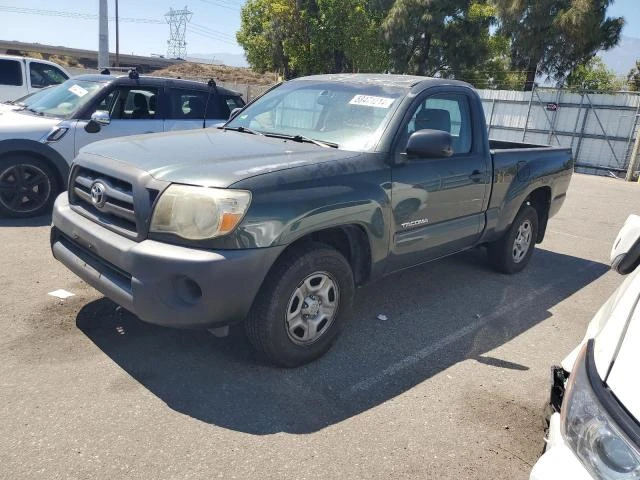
column 65, row 99
column 349, row 115
column 32, row 97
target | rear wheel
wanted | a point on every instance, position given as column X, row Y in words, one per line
column 302, row 305
column 513, row 251
column 28, row 186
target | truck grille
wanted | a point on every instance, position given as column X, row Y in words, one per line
column 111, row 204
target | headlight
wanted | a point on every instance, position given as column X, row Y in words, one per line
column 597, row 441
column 199, row 213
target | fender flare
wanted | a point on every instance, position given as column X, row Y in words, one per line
column 41, row 150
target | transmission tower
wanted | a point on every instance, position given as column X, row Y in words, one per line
column 177, row 20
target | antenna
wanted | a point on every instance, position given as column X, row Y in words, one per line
column 177, row 20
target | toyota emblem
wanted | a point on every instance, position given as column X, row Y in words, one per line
column 98, row 197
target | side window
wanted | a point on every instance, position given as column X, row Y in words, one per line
column 10, row 72
column 43, row 75
column 446, row 112
column 107, row 103
column 191, row 104
column 138, row 103
column 233, row 102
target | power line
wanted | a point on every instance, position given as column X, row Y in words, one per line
column 211, row 34
column 212, row 31
column 218, row 3
column 210, row 37
column 75, row 15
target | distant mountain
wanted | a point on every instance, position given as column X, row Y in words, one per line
column 623, row 57
column 231, row 59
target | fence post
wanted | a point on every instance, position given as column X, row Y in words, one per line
column 633, row 161
column 526, row 122
column 584, row 125
column 493, row 107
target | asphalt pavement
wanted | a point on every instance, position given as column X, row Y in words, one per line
column 451, row 385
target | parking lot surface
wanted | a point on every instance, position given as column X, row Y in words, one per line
column 451, row 385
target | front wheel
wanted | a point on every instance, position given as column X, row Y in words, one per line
column 513, row 251
column 302, row 305
column 28, row 186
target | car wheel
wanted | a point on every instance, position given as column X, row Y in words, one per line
column 28, row 187
column 513, row 251
column 302, row 305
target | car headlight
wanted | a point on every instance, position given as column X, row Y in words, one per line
column 199, row 213
column 598, row 442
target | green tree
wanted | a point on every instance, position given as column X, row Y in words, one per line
column 594, row 76
column 554, row 37
column 449, row 37
column 312, row 36
column 633, row 79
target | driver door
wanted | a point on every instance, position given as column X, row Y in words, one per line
column 133, row 111
column 437, row 203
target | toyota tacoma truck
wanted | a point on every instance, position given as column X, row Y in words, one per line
column 319, row 186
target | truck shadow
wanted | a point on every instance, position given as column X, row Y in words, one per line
column 40, row 221
column 438, row 315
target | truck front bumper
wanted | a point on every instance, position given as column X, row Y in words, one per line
column 160, row 283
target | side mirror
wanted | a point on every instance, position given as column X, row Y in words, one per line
column 234, row 113
column 430, row 144
column 98, row 118
column 102, row 117
column 625, row 254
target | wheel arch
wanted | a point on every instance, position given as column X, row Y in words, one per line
column 352, row 241
column 42, row 152
column 540, row 200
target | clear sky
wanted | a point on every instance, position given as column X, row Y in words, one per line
column 220, row 18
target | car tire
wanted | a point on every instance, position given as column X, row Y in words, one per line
column 302, row 305
column 28, row 186
column 513, row 251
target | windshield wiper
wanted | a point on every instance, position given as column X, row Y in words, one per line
column 241, row 130
column 302, row 138
column 34, row 111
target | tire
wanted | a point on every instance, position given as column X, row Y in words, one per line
column 507, row 256
column 302, row 305
column 28, row 186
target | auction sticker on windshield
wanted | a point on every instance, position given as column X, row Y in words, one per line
column 371, row 101
column 78, row 90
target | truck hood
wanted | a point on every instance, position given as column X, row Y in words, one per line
column 210, row 157
column 14, row 124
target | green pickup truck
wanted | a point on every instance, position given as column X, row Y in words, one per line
column 319, row 186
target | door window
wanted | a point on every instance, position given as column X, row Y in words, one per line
column 191, row 105
column 43, row 75
column 10, row 72
column 233, row 102
column 446, row 112
column 131, row 103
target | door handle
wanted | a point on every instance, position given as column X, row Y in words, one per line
column 476, row 176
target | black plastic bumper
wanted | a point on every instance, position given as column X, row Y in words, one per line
column 162, row 284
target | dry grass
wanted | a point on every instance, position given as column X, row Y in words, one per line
column 221, row 73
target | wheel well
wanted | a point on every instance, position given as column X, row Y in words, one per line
column 58, row 177
column 540, row 199
column 352, row 242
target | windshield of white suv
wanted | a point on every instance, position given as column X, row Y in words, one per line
column 65, row 99
column 349, row 116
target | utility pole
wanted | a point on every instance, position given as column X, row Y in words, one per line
column 177, row 20
column 117, row 37
column 633, row 161
column 103, row 36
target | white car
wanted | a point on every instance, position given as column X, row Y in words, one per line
column 24, row 102
column 594, row 432
column 39, row 142
column 20, row 76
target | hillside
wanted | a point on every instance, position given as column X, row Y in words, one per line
column 222, row 73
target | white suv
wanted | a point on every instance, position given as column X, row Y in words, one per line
column 39, row 142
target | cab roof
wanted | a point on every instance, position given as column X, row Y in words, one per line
column 385, row 79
